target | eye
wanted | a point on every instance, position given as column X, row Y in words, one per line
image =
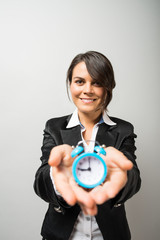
column 79, row 82
column 97, row 84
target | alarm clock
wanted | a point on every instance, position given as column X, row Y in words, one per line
column 89, row 169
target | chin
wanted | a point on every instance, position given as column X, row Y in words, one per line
column 88, row 110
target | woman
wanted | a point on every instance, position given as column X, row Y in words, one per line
column 75, row 213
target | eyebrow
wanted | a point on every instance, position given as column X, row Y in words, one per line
column 79, row 78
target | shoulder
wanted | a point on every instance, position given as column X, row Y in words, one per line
column 123, row 125
column 121, row 122
column 58, row 122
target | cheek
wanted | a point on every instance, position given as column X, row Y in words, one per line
column 102, row 94
column 105, row 95
column 74, row 90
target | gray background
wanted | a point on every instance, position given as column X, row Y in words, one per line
column 38, row 40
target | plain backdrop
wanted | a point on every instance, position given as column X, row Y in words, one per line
column 38, row 40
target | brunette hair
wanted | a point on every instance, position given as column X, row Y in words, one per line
column 99, row 68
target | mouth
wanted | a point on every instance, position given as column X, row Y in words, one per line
column 88, row 100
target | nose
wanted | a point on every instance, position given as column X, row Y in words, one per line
column 88, row 88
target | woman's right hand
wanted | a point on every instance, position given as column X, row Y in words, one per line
column 61, row 161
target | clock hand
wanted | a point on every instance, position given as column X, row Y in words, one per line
column 83, row 169
column 89, row 165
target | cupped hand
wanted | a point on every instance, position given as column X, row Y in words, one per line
column 117, row 167
column 61, row 162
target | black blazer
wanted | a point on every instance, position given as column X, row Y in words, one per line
column 111, row 218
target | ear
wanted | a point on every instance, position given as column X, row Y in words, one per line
column 68, row 90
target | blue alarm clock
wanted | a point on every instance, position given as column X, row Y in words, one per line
column 89, row 169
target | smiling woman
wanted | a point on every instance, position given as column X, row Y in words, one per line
column 90, row 79
column 87, row 94
column 97, row 69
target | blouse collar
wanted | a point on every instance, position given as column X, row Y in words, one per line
column 74, row 120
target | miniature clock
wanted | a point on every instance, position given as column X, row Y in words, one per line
column 89, row 169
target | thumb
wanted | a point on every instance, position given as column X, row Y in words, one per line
column 59, row 155
column 116, row 157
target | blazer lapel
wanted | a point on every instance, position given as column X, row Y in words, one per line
column 106, row 135
column 71, row 136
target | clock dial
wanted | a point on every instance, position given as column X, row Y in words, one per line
column 89, row 170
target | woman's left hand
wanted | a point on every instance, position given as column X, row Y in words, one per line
column 117, row 165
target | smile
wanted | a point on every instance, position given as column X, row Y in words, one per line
column 87, row 100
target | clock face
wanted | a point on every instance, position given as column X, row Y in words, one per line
column 89, row 170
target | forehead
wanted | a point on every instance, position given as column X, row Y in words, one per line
column 80, row 70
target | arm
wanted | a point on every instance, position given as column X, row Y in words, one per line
column 43, row 185
column 133, row 176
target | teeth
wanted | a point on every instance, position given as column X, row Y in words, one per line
column 87, row 100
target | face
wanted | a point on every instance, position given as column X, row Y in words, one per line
column 87, row 95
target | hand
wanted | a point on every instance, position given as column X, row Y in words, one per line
column 117, row 165
column 61, row 162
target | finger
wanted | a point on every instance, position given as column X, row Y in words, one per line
column 64, row 187
column 102, row 194
column 92, row 211
column 109, row 189
column 99, row 194
column 89, row 211
column 83, row 197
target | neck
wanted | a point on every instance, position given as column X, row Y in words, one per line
column 89, row 119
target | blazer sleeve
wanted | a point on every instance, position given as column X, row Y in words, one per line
column 43, row 185
column 127, row 147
